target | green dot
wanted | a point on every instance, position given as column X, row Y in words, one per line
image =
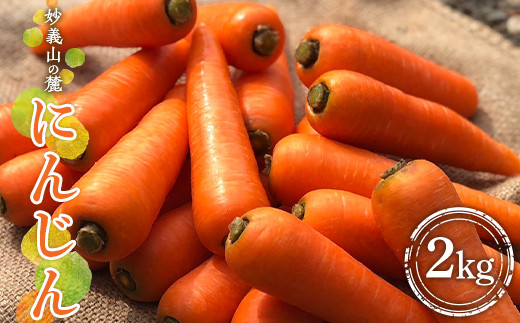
column 33, row 37
column 74, row 57
column 22, row 111
column 39, row 17
column 66, row 76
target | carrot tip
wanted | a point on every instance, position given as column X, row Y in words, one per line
column 268, row 162
column 179, row 11
column 169, row 319
column 307, row 52
column 260, row 141
column 318, row 97
column 394, row 169
column 91, row 238
column 298, row 210
column 3, row 206
column 236, row 228
column 265, row 40
column 125, row 280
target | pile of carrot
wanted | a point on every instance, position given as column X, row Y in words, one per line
column 202, row 197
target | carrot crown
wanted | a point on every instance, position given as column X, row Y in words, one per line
column 236, row 228
column 298, row 210
column 179, row 11
column 169, row 319
column 260, row 141
column 125, row 280
column 91, row 238
column 268, row 162
column 394, row 169
column 3, row 206
column 318, row 97
column 307, row 52
column 265, row 40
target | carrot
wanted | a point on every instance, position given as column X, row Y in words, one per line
column 251, row 35
column 267, row 123
column 171, row 250
column 17, row 179
column 514, row 286
column 118, row 23
column 209, row 293
column 303, row 163
column 355, row 109
column 346, row 219
column 114, row 212
column 96, row 265
column 260, row 307
column 278, row 254
column 335, row 47
column 113, row 103
column 180, row 193
column 305, row 127
column 409, row 194
column 225, row 180
column 12, row 142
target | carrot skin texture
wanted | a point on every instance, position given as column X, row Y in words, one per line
column 369, row 114
column 259, row 307
column 346, row 48
column 118, row 23
column 126, row 207
column 305, row 127
column 514, row 286
column 113, row 103
column 209, row 293
column 269, row 254
column 235, row 25
column 18, row 177
column 326, row 164
column 402, row 201
column 171, row 250
column 180, row 193
column 225, row 180
column 347, row 220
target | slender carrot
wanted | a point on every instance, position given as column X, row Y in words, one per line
column 279, row 255
column 114, row 212
column 251, row 35
column 514, row 286
column 180, row 193
column 409, row 194
column 119, row 23
column 209, row 293
column 171, row 250
column 114, row 102
column 260, row 307
column 267, row 123
column 303, row 163
column 335, row 47
column 12, row 142
column 346, row 219
column 356, row 109
column 17, row 179
column 225, row 181
column 305, row 127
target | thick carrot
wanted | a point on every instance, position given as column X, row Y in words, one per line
column 171, row 250
column 259, row 307
column 17, row 179
column 305, row 127
column 356, row 109
column 209, row 293
column 514, row 286
column 114, row 212
column 12, row 142
column 114, row 102
column 335, row 47
column 119, row 23
column 225, row 180
column 96, row 265
column 346, row 219
column 267, row 123
column 303, row 163
column 409, row 194
column 279, row 255
column 251, row 35
column 180, row 193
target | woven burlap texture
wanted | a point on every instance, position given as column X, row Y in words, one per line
column 423, row 26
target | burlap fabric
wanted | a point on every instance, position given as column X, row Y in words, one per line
column 423, row 26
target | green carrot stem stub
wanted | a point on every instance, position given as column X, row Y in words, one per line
column 265, row 40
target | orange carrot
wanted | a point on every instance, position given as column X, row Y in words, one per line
column 17, row 180
column 303, row 163
column 251, row 35
column 409, row 194
column 259, row 307
column 171, row 250
column 514, row 286
column 209, row 293
column 225, row 181
column 12, row 142
column 96, row 265
column 114, row 212
column 119, row 23
column 180, row 193
column 346, row 219
column 335, row 47
column 267, row 123
column 114, row 102
column 355, row 109
column 305, row 127
column 279, row 255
